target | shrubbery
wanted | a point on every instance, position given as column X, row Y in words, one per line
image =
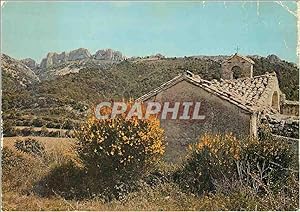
column 10, row 159
column 44, row 132
column 120, row 159
column 30, row 146
column 217, row 160
column 227, row 170
column 120, row 150
column 8, row 128
column 211, row 159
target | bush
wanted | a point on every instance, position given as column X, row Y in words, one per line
column 211, row 159
column 119, row 150
column 53, row 134
column 263, row 165
column 37, row 122
column 30, row 146
column 68, row 124
column 10, row 159
column 27, row 131
column 44, row 131
column 266, row 164
column 8, row 128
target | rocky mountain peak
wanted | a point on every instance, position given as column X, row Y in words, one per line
column 54, row 58
column 30, row 63
column 108, row 54
column 79, row 54
column 273, row 58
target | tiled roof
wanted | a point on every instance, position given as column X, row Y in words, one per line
column 247, row 93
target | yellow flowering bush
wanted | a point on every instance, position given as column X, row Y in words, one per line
column 216, row 159
column 120, row 149
column 210, row 159
column 270, row 162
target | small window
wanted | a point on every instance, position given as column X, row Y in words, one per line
column 275, row 101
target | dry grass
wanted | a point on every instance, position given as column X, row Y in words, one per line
column 166, row 197
column 50, row 143
column 19, row 192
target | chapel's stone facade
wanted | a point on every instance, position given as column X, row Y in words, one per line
column 237, row 66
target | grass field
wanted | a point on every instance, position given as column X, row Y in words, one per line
column 51, row 143
column 21, row 191
column 166, row 197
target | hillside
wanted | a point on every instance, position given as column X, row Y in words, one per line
column 70, row 94
column 17, row 72
column 17, row 81
column 133, row 79
column 127, row 79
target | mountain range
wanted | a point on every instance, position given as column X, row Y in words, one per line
column 57, row 64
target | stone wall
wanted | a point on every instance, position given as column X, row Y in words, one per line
column 220, row 117
column 290, row 108
column 282, row 125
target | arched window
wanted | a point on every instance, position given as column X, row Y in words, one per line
column 275, row 100
column 236, row 72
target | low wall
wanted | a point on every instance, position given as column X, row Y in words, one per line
column 286, row 126
column 290, row 108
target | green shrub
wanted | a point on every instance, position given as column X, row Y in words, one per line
column 8, row 128
column 68, row 124
column 270, row 163
column 216, row 160
column 10, row 159
column 30, row 146
column 27, row 131
column 38, row 122
column 44, row 131
column 213, row 158
column 119, row 150
column 54, row 134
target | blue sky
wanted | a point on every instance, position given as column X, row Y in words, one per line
column 32, row 29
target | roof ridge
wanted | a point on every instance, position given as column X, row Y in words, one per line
column 241, row 56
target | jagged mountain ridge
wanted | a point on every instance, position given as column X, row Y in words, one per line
column 53, row 58
column 58, row 64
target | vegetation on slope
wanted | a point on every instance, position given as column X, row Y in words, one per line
column 70, row 95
